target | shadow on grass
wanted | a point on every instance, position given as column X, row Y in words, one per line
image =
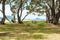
column 29, row 26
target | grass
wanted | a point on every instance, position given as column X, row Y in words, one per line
column 28, row 27
column 37, row 36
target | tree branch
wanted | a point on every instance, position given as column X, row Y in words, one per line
column 27, row 14
column 0, row 10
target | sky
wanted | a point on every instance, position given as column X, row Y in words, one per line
column 30, row 16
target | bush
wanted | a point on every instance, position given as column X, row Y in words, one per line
column 34, row 22
column 41, row 25
column 37, row 36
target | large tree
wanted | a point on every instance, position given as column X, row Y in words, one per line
column 50, row 7
column 17, row 8
column 54, row 11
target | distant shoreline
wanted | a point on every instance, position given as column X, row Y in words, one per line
column 29, row 20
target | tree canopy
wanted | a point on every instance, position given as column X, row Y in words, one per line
column 50, row 7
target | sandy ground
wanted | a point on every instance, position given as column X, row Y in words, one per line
column 54, row 37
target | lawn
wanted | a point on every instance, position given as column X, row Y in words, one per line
column 28, row 30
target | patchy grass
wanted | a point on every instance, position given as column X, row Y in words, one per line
column 37, row 36
column 28, row 27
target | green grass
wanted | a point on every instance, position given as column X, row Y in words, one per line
column 37, row 36
column 30, row 27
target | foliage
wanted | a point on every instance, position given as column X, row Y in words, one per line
column 38, row 7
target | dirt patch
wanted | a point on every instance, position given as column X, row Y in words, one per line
column 53, row 37
column 49, row 25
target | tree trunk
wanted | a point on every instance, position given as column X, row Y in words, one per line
column 48, row 16
column 21, row 13
column 57, row 15
column 13, row 20
column 3, row 11
column 53, row 18
column 19, row 16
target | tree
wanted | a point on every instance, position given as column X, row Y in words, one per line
column 49, row 7
column 35, row 7
column 51, row 12
column 19, row 17
column 17, row 8
column 3, row 12
column 12, row 8
column 54, row 15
